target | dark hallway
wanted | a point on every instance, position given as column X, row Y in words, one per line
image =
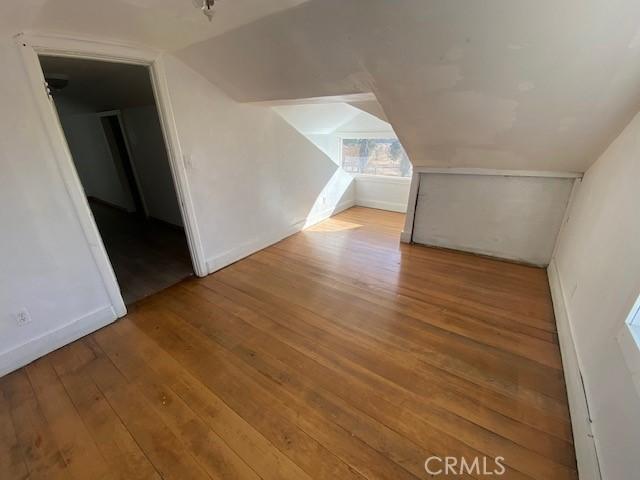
column 111, row 123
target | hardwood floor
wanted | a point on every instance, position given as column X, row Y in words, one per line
column 336, row 354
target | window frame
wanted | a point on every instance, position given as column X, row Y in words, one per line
column 371, row 136
column 629, row 341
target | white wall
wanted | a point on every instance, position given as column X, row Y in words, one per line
column 46, row 264
column 598, row 265
column 326, row 124
column 151, row 163
column 510, row 217
column 254, row 180
column 384, row 193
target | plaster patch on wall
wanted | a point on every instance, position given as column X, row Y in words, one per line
column 635, row 41
column 140, row 3
column 566, row 123
column 481, row 157
column 472, row 118
column 454, row 54
column 361, row 81
column 439, row 77
column 526, row 86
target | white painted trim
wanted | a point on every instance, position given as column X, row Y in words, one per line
column 62, row 155
column 252, row 246
column 629, row 341
column 177, row 165
column 361, row 177
column 25, row 353
column 407, row 232
column 372, row 135
column 347, row 98
column 486, row 253
column 318, row 217
column 30, row 46
column 583, row 439
column 498, row 173
column 567, row 215
column 88, row 48
column 248, row 248
column 381, row 205
column 634, row 315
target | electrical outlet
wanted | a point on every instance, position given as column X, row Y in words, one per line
column 23, row 317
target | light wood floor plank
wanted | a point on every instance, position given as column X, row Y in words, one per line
column 36, row 442
column 336, row 353
column 12, row 461
column 119, row 449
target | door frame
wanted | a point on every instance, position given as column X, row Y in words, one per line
column 32, row 45
column 132, row 162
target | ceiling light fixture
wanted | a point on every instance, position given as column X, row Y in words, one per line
column 206, row 6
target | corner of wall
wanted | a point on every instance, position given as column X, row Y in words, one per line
column 405, row 236
column 583, row 439
column 35, row 348
column 248, row 248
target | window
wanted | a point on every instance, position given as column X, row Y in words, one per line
column 634, row 316
column 629, row 340
column 375, row 156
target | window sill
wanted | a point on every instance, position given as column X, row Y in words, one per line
column 382, row 179
column 629, row 341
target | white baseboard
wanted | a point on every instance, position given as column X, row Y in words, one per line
column 318, row 217
column 35, row 348
column 381, row 205
column 583, row 439
column 405, row 237
column 485, row 253
column 248, row 248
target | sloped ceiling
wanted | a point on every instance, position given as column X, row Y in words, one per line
column 317, row 119
column 333, row 118
column 516, row 84
column 372, row 108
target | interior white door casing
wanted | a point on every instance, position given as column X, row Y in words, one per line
column 30, row 47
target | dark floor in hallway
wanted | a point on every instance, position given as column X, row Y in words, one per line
column 147, row 255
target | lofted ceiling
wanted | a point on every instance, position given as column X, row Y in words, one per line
column 514, row 84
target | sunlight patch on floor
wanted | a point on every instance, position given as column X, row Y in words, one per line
column 333, row 226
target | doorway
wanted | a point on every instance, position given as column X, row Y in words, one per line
column 111, row 123
column 115, row 135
